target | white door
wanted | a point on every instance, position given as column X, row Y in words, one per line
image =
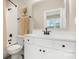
column 57, row 54
column 32, row 52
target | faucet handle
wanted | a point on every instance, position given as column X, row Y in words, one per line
column 46, row 28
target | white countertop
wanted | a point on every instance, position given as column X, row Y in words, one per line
column 56, row 36
column 69, row 36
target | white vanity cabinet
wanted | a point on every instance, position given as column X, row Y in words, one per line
column 35, row 48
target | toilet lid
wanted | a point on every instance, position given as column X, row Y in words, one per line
column 14, row 47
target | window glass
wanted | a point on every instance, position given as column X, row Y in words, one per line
column 53, row 21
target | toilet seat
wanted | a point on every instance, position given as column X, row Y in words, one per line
column 14, row 49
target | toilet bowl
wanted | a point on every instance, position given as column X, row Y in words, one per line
column 13, row 50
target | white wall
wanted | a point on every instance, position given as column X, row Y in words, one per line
column 70, row 11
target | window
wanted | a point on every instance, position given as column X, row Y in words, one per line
column 54, row 18
column 53, row 21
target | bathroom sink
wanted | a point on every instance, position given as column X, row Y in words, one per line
column 55, row 36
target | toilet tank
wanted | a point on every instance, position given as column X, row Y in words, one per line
column 20, row 40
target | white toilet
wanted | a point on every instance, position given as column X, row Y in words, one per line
column 15, row 49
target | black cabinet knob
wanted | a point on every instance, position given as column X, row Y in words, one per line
column 43, row 50
column 28, row 40
column 40, row 50
column 63, row 46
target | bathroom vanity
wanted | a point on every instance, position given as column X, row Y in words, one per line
column 49, row 47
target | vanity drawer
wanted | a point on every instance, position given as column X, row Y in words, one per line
column 45, row 43
column 65, row 45
column 41, row 42
column 68, row 46
column 52, row 43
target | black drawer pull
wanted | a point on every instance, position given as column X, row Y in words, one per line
column 63, row 46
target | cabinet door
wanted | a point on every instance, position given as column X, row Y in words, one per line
column 32, row 52
column 35, row 52
column 57, row 54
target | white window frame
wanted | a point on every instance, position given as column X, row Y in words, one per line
column 62, row 16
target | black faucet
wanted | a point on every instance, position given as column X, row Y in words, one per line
column 46, row 32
